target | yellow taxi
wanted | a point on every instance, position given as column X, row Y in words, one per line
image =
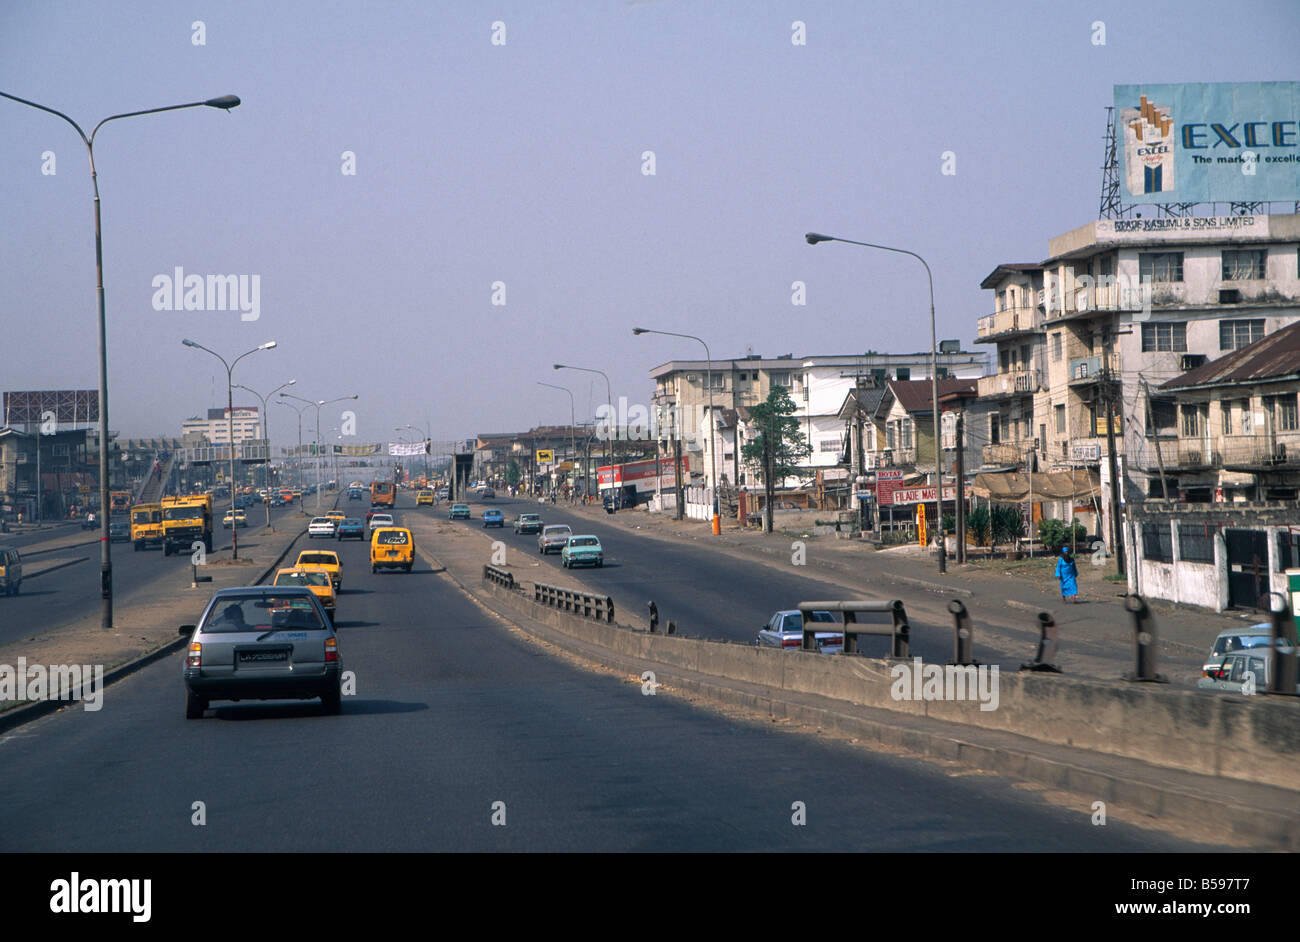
column 318, row 582
column 337, row 516
column 326, row 561
column 424, row 497
column 392, row 548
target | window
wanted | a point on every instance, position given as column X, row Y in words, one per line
column 941, row 373
column 907, row 433
column 1056, row 347
column 1060, row 419
column 1235, row 334
column 717, row 380
column 830, row 444
column 1166, row 337
column 995, row 428
column 1024, row 356
column 904, row 373
column 1225, row 408
column 1157, row 542
column 1195, row 545
column 743, row 377
column 1285, row 417
column 1247, row 424
column 878, row 377
column 1191, row 421
column 890, row 435
column 1005, row 354
column 1244, row 264
column 1160, row 267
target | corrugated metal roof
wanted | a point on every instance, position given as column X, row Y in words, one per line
column 916, row 395
column 1275, row 357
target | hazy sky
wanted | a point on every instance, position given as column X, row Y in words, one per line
column 522, row 163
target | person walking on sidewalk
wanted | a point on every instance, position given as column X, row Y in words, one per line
column 1067, row 572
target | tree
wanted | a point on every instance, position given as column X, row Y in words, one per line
column 778, row 445
column 512, row 473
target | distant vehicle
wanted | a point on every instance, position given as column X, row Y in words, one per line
column 91, row 522
column 119, row 502
column 146, row 525
column 529, row 523
column 444, row 494
column 380, row 520
column 785, row 630
column 493, row 518
column 11, row 570
column 354, row 493
column 1236, row 639
column 337, row 516
column 351, row 529
column 321, row 526
column 382, row 494
column 119, row 531
column 553, row 538
column 392, row 548
column 486, row 493
column 582, row 551
column 238, row 517
column 326, row 561
column 262, row 643
column 458, row 512
column 424, row 497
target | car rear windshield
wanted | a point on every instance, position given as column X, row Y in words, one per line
column 392, row 537
column 1231, row 643
column 584, row 541
column 316, row 520
column 380, row 519
column 529, row 518
column 557, row 531
column 262, row 613
column 319, row 559
column 302, row 578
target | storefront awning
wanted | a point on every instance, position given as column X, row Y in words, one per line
column 1014, row 487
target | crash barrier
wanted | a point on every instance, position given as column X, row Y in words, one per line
column 598, row 607
column 500, row 576
column 1048, row 642
column 1145, row 639
column 898, row 631
column 964, row 637
column 1285, row 669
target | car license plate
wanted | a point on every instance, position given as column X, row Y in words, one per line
column 259, row 658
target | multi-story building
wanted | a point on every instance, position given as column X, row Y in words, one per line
column 1017, row 327
column 1120, row 307
column 216, row 427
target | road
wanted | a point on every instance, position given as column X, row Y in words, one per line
column 455, row 712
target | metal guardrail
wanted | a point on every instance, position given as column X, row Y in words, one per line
column 500, row 576
column 898, row 631
column 598, row 607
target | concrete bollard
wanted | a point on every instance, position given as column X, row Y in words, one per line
column 1146, row 641
column 654, row 616
column 964, row 640
column 1048, row 643
column 1285, row 671
column 672, row 627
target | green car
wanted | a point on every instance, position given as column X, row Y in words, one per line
column 582, row 550
column 459, row 512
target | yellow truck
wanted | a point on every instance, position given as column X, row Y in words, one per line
column 184, row 520
column 146, row 525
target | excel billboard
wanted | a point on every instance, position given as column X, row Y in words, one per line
column 1227, row 142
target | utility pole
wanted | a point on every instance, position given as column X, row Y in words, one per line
column 961, row 487
column 677, row 476
column 1116, row 528
column 1155, row 437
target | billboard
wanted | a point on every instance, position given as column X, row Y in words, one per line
column 1226, row 142
column 68, row 405
column 408, row 448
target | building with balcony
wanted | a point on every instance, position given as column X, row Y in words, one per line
column 216, row 427
column 1017, row 329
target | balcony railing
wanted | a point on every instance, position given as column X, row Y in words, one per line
column 1016, row 383
column 244, row 451
column 1241, row 453
column 1010, row 321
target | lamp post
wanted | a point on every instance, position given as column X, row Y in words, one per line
column 713, row 423
column 573, row 446
column 266, row 436
column 225, row 102
column 609, row 403
column 230, row 424
column 298, row 456
column 428, row 438
column 317, row 405
column 813, row 238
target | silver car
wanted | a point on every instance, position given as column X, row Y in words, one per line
column 1236, row 639
column 262, row 643
column 553, row 539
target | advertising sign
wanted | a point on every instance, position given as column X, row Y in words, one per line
column 68, row 405
column 922, row 495
column 408, row 448
column 1203, row 143
column 545, row 456
column 886, row 483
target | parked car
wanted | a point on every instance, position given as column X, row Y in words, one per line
column 493, row 518
column 351, row 529
column 529, row 523
column 11, row 570
column 553, row 538
column 785, row 630
column 262, row 643
column 321, row 526
column 458, row 512
column 1236, row 639
column 582, row 551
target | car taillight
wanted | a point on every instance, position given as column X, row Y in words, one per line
column 791, row 642
column 331, row 649
column 195, row 658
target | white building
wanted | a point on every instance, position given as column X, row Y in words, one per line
column 216, row 427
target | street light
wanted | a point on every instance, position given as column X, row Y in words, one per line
column 713, row 422
column 317, row 405
column 298, row 455
column 428, row 437
column 266, row 435
column 230, row 420
column 225, row 102
column 609, row 403
column 573, row 446
column 815, row 237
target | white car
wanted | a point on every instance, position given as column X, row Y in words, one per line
column 553, row 539
column 321, row 526
column 380, row 520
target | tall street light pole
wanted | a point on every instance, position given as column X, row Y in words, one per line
column 230, row 424
column 266, row 436
column 317, row 405
column 713, row 422
column 609, row 404
column 815, row 237
column 298, row 456
column 225, row 102
column 573, row 446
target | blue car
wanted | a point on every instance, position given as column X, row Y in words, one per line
column 493, row 518
column 351, row 529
